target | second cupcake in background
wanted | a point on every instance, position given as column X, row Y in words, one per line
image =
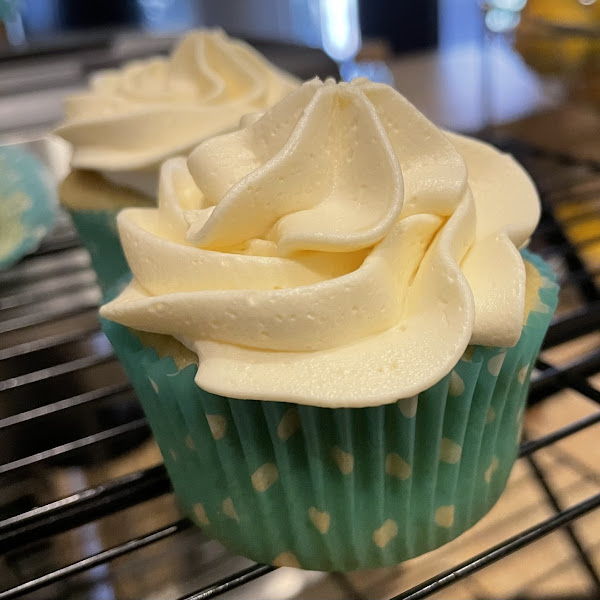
column 133, row 118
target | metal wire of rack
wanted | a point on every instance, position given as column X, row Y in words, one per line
column 48, row 308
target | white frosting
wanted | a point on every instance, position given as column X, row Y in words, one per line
column 133, row 118
column 339, row 251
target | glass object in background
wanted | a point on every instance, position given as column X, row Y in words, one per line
column 168, row 15
column 333, row 25
column 557, row 40
column 11, row 25
column 562, row 39
column 501, row 20
column 341, row 39
column 340, row 29
column 502, row 16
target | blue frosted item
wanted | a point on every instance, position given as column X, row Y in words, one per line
column 28, row 203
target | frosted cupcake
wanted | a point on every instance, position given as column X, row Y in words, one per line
column 331, row 326
column 131, row 119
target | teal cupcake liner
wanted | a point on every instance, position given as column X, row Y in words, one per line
column 345, row 488
column 28, row 204
column 98, row 231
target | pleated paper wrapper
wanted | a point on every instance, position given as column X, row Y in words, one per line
column 345, row 488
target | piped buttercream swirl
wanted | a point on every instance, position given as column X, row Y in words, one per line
column 340, row 250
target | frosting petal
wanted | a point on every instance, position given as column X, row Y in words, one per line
column 336, row 157
column 504, row 193
column 434, row 172
column 507, row 213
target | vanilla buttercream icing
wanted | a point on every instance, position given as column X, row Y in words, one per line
column 130, row 119
column 340, row 250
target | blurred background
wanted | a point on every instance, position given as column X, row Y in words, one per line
column 79, row 473
column 471, row 62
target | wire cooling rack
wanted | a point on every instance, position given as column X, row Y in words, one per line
column 51, row 342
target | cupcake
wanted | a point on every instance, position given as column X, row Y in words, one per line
column 331, row 326
column 131, row 119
